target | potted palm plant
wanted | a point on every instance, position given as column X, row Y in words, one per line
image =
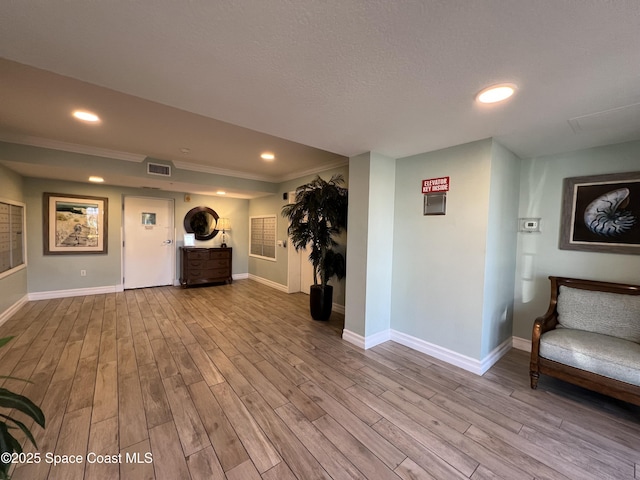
column 19, row 403
column 317, row 216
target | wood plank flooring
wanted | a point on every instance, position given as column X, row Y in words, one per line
column 235, row 381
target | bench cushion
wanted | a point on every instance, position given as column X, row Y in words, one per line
column 602, row 354
column 608, row 313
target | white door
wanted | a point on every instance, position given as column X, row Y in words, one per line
column 300, row 274
column 149, row 251
column 306, row 271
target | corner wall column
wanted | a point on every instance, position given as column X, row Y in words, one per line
column 369, row 249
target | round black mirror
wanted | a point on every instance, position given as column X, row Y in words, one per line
column 201, row 221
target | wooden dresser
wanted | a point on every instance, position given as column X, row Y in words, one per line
column 199, row 266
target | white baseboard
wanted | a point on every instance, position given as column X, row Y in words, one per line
column 268, row 283
column 496, row 354
column 365, row 342
column 521, row 343
column 472, row 365
column 282, row 288
column 449, row 356
column 353, row 338
column 75, row 292
column 8, row 313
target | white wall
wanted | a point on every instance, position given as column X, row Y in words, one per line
column 439, row 261
column 538, row 253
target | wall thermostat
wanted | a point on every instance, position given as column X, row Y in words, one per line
column 529, row 225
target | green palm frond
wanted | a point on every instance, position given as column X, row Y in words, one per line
column 317, row 216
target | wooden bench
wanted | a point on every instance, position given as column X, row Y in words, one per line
column 590, row 336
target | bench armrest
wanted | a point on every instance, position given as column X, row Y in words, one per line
column 543, row 324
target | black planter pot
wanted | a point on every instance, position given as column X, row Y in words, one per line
column 320, row 301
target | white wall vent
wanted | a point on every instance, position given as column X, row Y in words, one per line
column 158, row 169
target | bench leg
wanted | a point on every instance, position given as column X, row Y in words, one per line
column 534, row 379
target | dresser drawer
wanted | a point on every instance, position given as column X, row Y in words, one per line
column 194, row 273
column 199, row 254
column 196, row 264
column 201, row 266
column 218, row 263
column 219, row 254
column 217, row 273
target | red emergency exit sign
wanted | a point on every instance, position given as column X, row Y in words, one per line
column 433, row 185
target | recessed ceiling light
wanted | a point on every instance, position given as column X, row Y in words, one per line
column 496, row 93
column 221, row 192
column 267, row 156
column 86, row 116
column 96, row 179
column 185, row 151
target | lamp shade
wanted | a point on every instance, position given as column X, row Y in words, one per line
column 223, row 224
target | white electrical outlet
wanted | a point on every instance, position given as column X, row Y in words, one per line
column 83, row 273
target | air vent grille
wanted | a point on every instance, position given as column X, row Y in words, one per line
column 158, row 169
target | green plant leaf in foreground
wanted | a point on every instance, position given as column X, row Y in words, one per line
column 24, row 429
column 21, row 403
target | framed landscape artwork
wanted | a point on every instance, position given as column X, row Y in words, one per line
column 74, row 224
column 601, row 213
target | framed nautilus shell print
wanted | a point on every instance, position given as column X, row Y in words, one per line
column 601, row 213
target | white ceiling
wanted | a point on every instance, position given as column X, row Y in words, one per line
column 231, row 79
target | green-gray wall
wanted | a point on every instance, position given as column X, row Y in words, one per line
column 277, row 271
column 370, row 249
column 358, row 224
column 538, row 253
column 451, row 277
column 62, row 272
column 439, row 260
column 500, row 259
column 116, row 168
column 13, row 287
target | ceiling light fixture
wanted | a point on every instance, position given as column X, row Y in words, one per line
column 267, row 156
column 96, row 179
column 496, row 93
column 86, row 116
column 221, row 192
column 185, row 151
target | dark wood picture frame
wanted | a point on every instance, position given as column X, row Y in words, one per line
column 201, row 221
column 75, row 224
column 601, row 213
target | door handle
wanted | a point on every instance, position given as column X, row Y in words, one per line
column 167, row 242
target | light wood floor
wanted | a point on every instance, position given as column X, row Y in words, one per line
column 237, row 382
